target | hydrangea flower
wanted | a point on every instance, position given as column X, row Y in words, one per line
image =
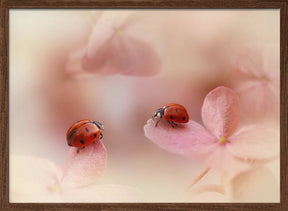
column 259, row 69
column 116, row 47
column 35, row 179
column 220, row 144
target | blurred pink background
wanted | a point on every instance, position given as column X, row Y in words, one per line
column 197, row 50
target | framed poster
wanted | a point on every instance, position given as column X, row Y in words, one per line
column 134, row 105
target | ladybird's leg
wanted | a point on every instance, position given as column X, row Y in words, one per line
column 157, row 122
column 100, row 137
column 174, row 124
column 171, row 123
column 159, row 115
column 80, row 148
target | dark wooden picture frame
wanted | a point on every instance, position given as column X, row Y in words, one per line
column 180, row 4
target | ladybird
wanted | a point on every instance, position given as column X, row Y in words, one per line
column 172, row 112
column 83, row 133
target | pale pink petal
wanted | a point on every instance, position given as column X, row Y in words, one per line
column 251, row 63
column 221, row 112
column 271, row 60
column 103, row 193
column 189, row 139
column 260, row 61
column 212, row 193
column 257, row 185
column 245, row 85
column 275, row 87
column 73, row 66
column 33, row 179
column 262, row 64
column 85, row 167
column 255, row 142
column 123, row 55
column 264, row 98
column 113, row 50
column 220, row 158
column 108, row 24
column 192, row 140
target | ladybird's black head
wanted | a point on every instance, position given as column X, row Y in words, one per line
column 99, row 125
column 159, row 112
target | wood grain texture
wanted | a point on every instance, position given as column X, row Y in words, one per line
column 144, row 4
column 283, row 106
column 4, row 91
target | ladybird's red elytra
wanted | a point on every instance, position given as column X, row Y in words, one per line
column 173, row 113
column 83, row 133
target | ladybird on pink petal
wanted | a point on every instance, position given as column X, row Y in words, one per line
column 173, row 113
column 84, row 132
column 220, row 144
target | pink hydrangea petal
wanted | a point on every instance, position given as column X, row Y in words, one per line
column 106, row 26
column 271, row 60
column 221, row 112
column 275, row 87
column 260, row 61
column 245, row 86
column 189, row 139
column 251, row 63
column 85, row 167
column 266, row 104
column 257, row 185
column 255, row 142
column 32, row 180
column 73, row 66
column 123, row 55
column 103, row 193
column 192, row 140
column 207, row 194
column 112, row 50
column 223, row 160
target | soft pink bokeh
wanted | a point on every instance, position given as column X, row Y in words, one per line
column 49, row 89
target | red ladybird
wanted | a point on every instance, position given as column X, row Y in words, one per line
column 172, row 112
column 83, row 133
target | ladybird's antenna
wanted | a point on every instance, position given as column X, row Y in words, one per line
column 154, row 115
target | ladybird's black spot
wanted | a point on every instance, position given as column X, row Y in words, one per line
column 183, row 118
column 95, row 135
column 176, row 110
column 171, row 117
column 82, row 142
column 86, row 129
